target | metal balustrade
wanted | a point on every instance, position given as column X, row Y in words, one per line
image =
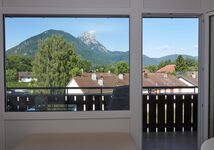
column 57, row 103
column 169, row 112
column 57, row 99
column 162, row 111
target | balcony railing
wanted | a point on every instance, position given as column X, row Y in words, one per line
column 170, row 109
column 164, row 108
column 57, row 99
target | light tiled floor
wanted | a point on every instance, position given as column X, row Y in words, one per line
column 170, row 141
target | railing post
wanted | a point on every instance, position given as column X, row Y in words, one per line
column 101, row 90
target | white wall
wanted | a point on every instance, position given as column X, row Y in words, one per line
column 172, row 4
column 68, row 3
column 73, row 83
column 17, row 129
column 17, row 125
column 208, row 5
column 212, row 5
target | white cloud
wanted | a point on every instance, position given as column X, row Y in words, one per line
column 164, row 47
column 195, row 46
column 183, row 49
column 92, row 32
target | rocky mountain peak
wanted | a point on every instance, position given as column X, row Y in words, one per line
column 88, row 38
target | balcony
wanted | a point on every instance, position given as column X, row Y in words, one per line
column 169, row 113
column 170, row 119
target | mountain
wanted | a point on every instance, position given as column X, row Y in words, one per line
column 87, row 47
column 90, row 40
column 30, row 46
column 155, row 61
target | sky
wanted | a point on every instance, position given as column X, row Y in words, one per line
column 166, row 36
column 161, row 36
column 113, row 33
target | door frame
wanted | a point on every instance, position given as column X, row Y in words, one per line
column 202, row 66
column 209, row 103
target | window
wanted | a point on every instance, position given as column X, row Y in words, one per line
column 170, row 82
column 66, row 63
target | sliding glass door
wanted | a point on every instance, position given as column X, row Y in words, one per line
column 211, row 99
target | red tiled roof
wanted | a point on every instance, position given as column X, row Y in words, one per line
column 161, row 79
column 112, row 80
column 109, row 80
column 191, row 77
column 24, row 74
column 167, row 69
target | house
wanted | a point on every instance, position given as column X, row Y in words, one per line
column 161, row 80
column 25, row 76
column 190, row 79
column 97, row 80
column 167, row 69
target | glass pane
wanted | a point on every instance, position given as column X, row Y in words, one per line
column 211, row 128
column 170, row 83
column 67, row 63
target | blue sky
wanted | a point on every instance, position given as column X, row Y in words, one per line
column 113, row 33
column 161, row 36
column 165, row 36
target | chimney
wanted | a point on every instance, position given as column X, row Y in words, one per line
column 82, row 70
column 194, row 75
column 145, row 74
column 100, row 81
column 165, row 75
column 93, row 76
column 120, row 76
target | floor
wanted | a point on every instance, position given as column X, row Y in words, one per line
column 170, row 141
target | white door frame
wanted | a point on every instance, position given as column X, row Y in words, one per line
column 202, row 94
column 206, row 96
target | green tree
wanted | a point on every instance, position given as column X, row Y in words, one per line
column 110, row 67
column 164, row 63
column 192, row 64
column 152, row 68
column 75, row 71
column 172, row 73
column 19, row 63
column 181, row 65
column 100, row 68
column 55, row 62
column 11, row 75
column 121, row 67
column 85, row 65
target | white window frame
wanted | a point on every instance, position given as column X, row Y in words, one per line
column 207, row 66
column 201, row 133
column 135, row 113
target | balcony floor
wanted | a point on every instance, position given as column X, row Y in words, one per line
column 170, row 141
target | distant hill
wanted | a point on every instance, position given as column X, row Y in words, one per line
column 155, row 61
column 87, row 47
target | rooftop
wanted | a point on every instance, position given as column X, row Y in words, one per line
column 113, row 80
column 167, row 69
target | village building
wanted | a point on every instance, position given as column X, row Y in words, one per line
column 167, row 69
column 96, row 80
column 105, row 82
column 25, row 76
column 190, row 79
